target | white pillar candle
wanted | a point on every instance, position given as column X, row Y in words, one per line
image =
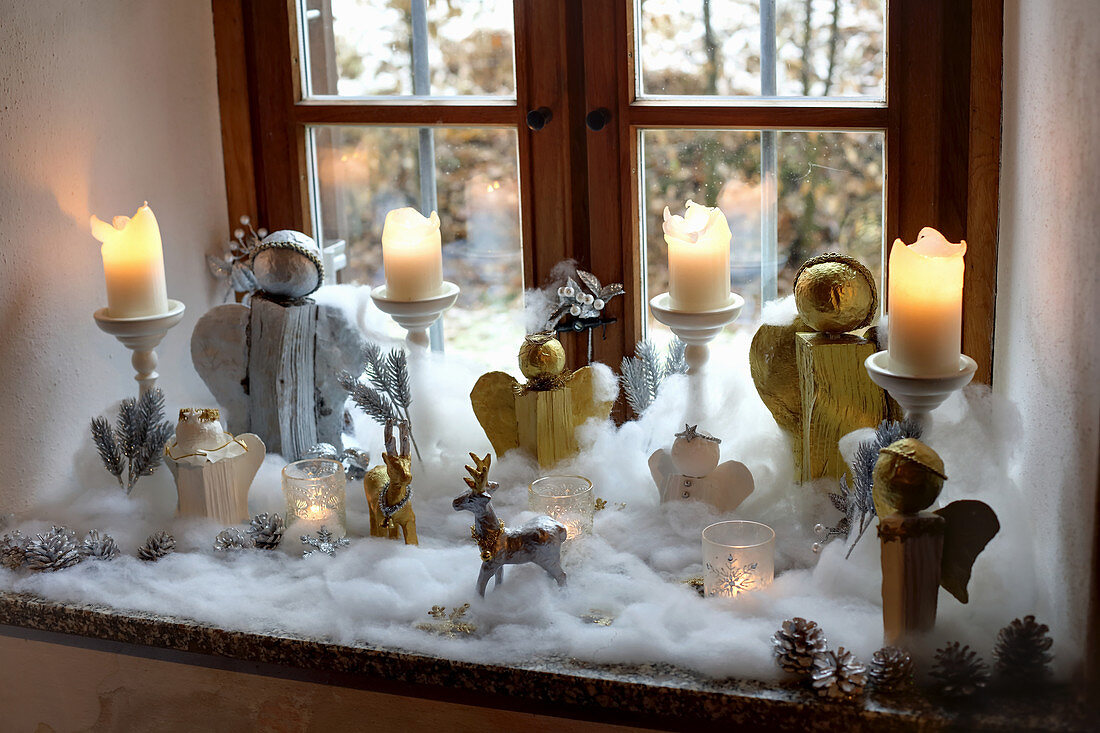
column 133, row 263
column 925, row 304
column 698, row 258
column 412, row 255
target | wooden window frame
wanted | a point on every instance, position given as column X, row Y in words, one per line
column 941, row 122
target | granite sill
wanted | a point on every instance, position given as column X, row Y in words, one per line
column 647, row 695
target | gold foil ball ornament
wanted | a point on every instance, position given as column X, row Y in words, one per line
column 835, row 293
column 908, row 477
column 541, row 355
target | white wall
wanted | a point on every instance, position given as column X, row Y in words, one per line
column 1047, row 356
column 102, row 105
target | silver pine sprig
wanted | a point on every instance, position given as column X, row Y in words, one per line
column 643, row 373
column 136, row 444
column 384, row 389
column 109, row 451
column 856, row 497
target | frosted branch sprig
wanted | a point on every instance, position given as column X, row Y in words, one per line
column 584, row 300
column 384, row 389
column 235, row 265
column 855, row 498
column 135, row 445
column 643, row 373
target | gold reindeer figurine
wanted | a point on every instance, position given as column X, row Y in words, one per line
column 538, row 541
column 389, row 489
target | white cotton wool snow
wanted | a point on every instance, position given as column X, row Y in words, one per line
column 375, row 591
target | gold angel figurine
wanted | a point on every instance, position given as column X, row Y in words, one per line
column 542, row 415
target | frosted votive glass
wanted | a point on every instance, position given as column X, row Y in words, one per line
column 568, row 499
column 738, row 557
column 315, row 490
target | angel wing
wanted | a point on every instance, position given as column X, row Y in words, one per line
column 582, row 389
column 661, row 467
column 494, row 401
column 219, row 351
column 730, row 484
column 969, row 527
column 246, row 466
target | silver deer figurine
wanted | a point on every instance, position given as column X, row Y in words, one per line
column 538, row 541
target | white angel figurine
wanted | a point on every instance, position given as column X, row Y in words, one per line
column 213, row 469
column 691, row 471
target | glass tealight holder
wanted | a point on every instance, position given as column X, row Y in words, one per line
column 568, row 499
column 315, row 490
column 738, row 557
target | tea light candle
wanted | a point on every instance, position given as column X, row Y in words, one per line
column 133, row 262
column 315, row 490
column 568, row 499
column 739, row 557
column 925, row 300
column 412, row 255
column 698, row 258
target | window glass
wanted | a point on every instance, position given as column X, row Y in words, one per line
column 362, row 172
column 819, row 48
column 367, row 48
column 829, row 199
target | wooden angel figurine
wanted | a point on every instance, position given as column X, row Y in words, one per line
column 691, row 471
column 541, row 416
column 922, row 550
column 389, row 489
column 538, row 541
column 274, row 364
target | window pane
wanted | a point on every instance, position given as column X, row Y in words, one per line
column 362, row 172
column 364, row 48
column 830, row 199
column 820, row 48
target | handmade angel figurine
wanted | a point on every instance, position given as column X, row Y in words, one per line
column 691, row 471
column 389, row 488
column 542, row 415
column 538, row 541
column 213, row 469
column 274, row 364
column 923, row 550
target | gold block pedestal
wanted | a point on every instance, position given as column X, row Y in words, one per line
column 837, row 398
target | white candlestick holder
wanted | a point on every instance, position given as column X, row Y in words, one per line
column 416, row 316
column 142, row 334
column 695, row 328
column 918, row 395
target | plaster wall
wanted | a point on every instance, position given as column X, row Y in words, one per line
column 102, row 105
column 1047, row 355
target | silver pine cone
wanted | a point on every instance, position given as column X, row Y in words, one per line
column 13, row 550
column 1022, row 651
column 795, row 644
column 266, row 530
column 231, row 540
column 959, row 671
column 157, row 546
column 53, row 550
column 838, row 675
column 891, row 669
column 99, row 547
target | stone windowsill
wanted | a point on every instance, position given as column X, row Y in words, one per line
column 644, row 694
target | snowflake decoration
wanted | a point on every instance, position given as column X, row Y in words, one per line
column 324, row 542
column 733, row 578
column 449, row 625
